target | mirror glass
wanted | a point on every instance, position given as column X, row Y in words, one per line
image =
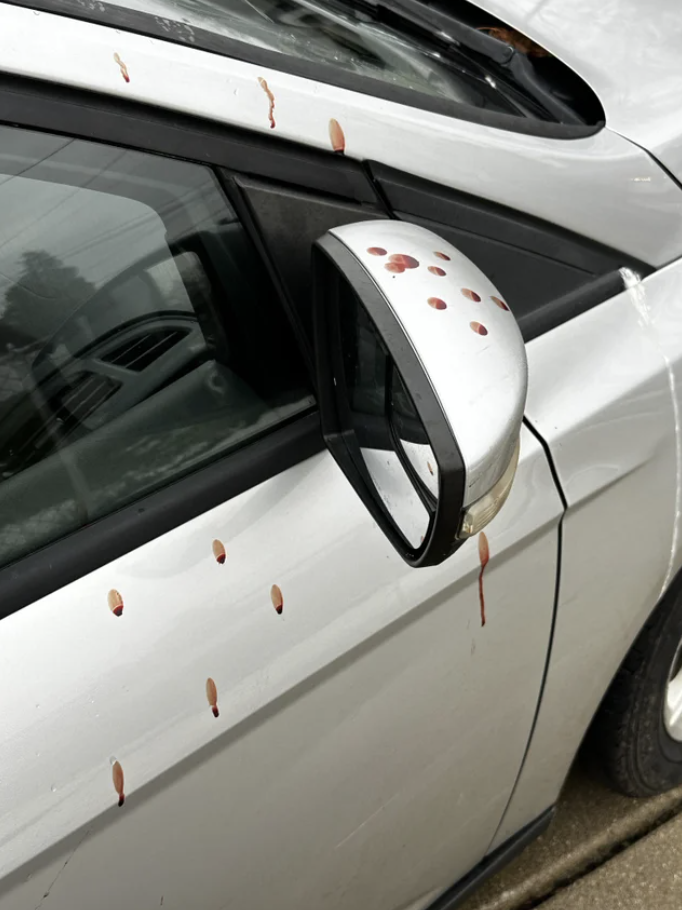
column 389, row 437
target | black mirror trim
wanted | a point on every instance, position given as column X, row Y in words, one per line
column 332, row 263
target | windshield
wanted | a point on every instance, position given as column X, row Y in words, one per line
column 335, row 34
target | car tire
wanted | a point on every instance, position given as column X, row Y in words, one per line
column 630, row 732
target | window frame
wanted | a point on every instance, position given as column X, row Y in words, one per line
column 25, row 104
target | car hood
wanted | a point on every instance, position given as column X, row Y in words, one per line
column 628, row 51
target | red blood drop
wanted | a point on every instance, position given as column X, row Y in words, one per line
column 478, row 328
column 277, row 599
column 484, row 556
column 472, row 295
column 394, row 267
column 115, row 602
column 336, row 136
column 376, row 251
column 437, row 303
column 436, row 270
column 442, row 256
column 271, row 99
column 218, row 548
column 216, row 712
column 407, row 262
column 500, row 303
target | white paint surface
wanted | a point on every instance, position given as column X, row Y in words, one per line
column 359, row 728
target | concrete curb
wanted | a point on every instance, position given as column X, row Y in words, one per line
column 592, row 825
column 646, row 876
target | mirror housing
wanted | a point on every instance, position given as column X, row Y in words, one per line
column 422, row 380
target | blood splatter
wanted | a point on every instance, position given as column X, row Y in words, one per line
column 484, row 556
column 376, row 251
column 219, row 551
column 478, row 328
column 500, row 303
column 271, row 98
column 277, row 599
column 212, row 696
column 336, row 137
column 117, row 777
column 394, row 267
column 115, row 602
column 471, row 295
column 436, row 270
column 407, row 262
column 437, row 303
column 516, row 40
column 122, row 67
column 442, row 256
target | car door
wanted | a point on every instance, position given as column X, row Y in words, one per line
column 222, row 685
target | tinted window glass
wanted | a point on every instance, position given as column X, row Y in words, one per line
column 140, row 337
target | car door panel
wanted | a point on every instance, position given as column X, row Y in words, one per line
column 600, row 396
column 360, row 727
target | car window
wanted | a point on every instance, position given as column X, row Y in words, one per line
column 140, row 335
column 334, row 33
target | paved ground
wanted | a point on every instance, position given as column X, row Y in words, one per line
column 646, row 876
column 602, row 851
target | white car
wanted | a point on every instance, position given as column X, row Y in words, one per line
column 340, row 440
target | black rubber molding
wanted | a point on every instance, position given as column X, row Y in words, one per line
column 493, row 863
column 559, row 311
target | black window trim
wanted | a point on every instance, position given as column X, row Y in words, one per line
column 107, row 14
column 77, row 113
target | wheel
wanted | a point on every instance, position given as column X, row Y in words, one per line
column 637, row 731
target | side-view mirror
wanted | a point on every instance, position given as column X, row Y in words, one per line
column 422, row 380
